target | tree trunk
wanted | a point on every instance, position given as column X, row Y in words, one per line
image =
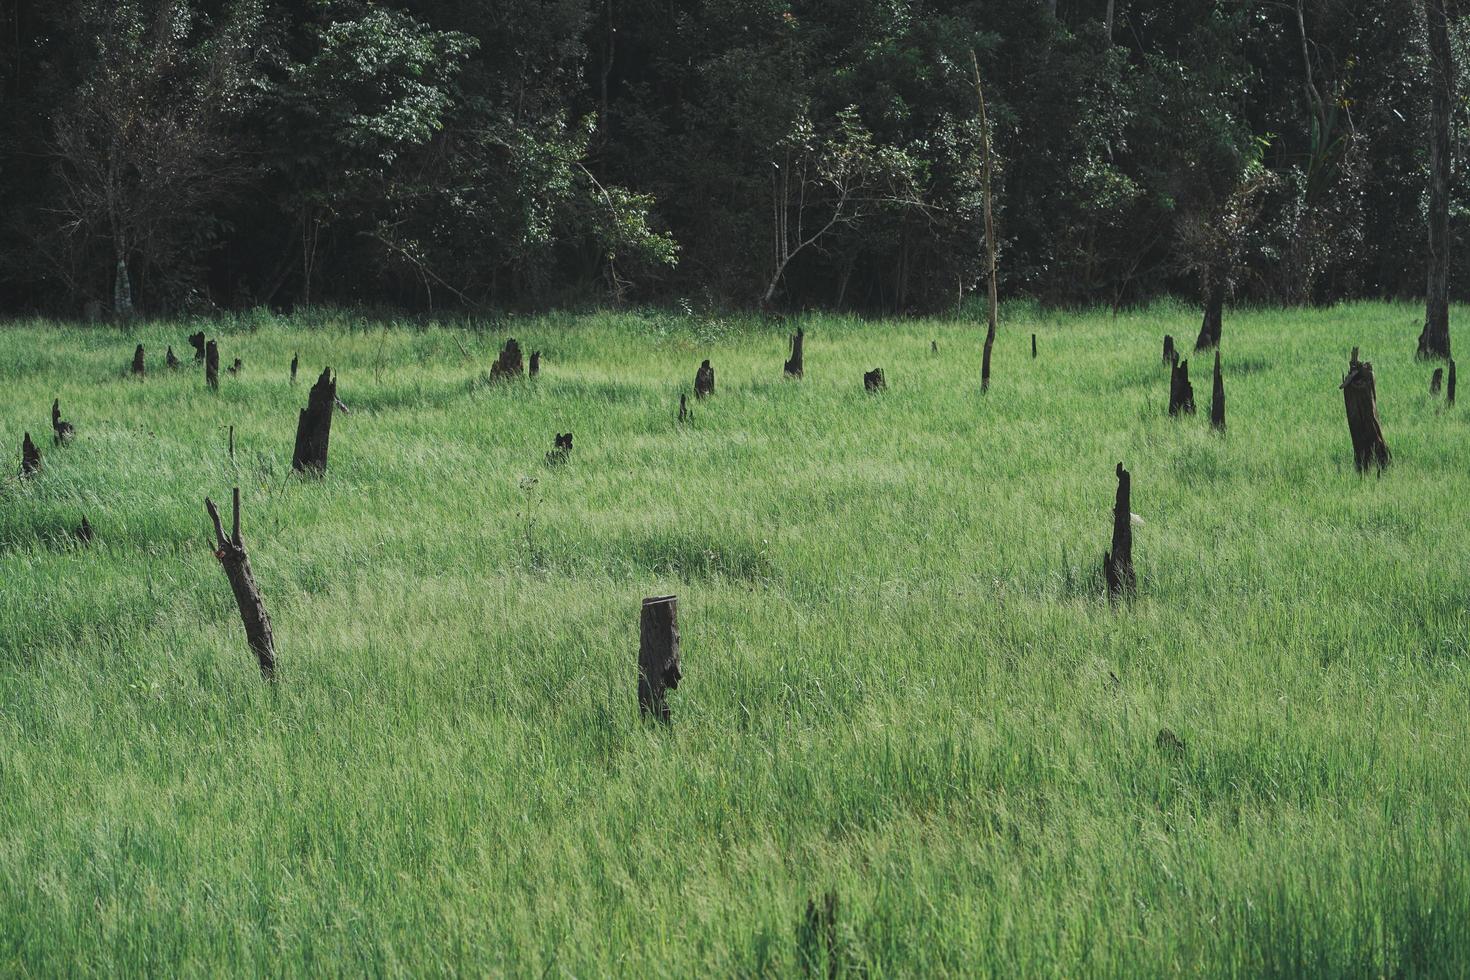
column 658, row 654
column 1360, row 397
column 1118, row 563
column 232, row 558
column 1217, row 397
column 704, row 381
column 1181, row 392
column 1209, row 331
column 1434, row 341
column 989, row 223
column 139, row 367
column 30, row 457
column 122, row 290
column 211, row 365
column 314, row 426
column 793, row 363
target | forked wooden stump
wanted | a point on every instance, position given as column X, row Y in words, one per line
column 30, row 457
column 704, row 381
column 232, row 558
column 1360, row 398
column 139, row 367
column 61, row 430
column 196, row 340
column 1118, row 563
column 509, row 363
column 658, row 655
column 1181, row 392
column 170, row 360
column 1435, row 380
column 1171, row 356
column 535, row 367
column 314, row 426
column 562, row 450
column 1449, row 386
column 211, row 365
column 793, row 367
column 1217, row 397
column 295, row 361
column 873, row 381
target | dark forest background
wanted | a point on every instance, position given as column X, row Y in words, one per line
column 173, row 156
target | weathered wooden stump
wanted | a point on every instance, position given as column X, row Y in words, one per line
column 1449, row 386
column 704, row 381
column 61, row 429
column 1435, row 380
column 1217, row 397
column 235, row 368
column 793, row 368
column 314, row 426
column 211, row 365
column 509, row 363
column 658, row 655
column 30, row 457
column 196, row 340
column 1033, row 347
column 232, row 558
column 683, row 407
column 170, row 360
column 84, row 531
column 1209, row 330
column 1171, row 356
column 1118, row 563
column 562, row 451
column 874, row 381
column 1181, row 392
column 535, row 366
column 139, row 367
column 1360, row 398
column 933, row 347
column 232, row 442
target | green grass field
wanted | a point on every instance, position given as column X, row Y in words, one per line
column 901, row 683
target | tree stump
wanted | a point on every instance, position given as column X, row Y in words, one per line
column 535, row 368
column 211, row 365
column 196, row 340
column 1217, row 397
column 295, row 361
column 1171, row 356
column 985, row 359
column 61, row 429
column 236, row 563
column 232, row 442
column 235, row 368
column 170, row 359
column 704, row 381
column 509, row 363
column 563, row 449
column 1033, row 347
column 1435, row 380
column 793, row 367
column 1209, row 331
column 873, row 381
column 1118, row 563
column 933, row 347
column 1181, row 392
column 138, row 366
column 658, row 655
column 1449, row 387
column 314, row 426
column 1360, row 398
column 30, row 457
column 683, row 408
column 84, row 531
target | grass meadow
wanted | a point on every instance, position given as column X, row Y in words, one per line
column 902, row 683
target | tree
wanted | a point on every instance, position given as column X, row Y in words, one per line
column 1434, row 340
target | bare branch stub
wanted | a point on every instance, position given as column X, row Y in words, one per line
column 236, row 564
column 1118, row 563
column 704, row 381
column 314, row 426
column 659, row 668
column 1360, row 399
column 30, row 457
column 794, row 365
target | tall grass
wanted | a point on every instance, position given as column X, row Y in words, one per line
column 902, row 684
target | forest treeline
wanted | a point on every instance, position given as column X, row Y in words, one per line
column 169, row 156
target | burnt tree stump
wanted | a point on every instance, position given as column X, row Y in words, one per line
column 139, row 367
column 683, row 407
column 196, row 340
column 232, row 558
column 704, row 381
column 1360, row 398
column 985, row 358
column 1449, row 386
column 61, row 429
column 793, row 367
column 211, row 365
column 1209, row 330
column 232, row 442
column 314, row 427
column 933, row 347
column 873, row 381
column 170, row 360
column 295, row 362
column 509, row 363
column 30, row 457
column 1435, row 380
column 1118, row 563
column 1033, row 347
column 236, row 367
column 535, row 367
column 1171, row 356
column 1217, row 397
column 84, row 531
column 562, row 451
column 658, row 654
column 1181, row 392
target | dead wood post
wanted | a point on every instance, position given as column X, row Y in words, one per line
column 874, row 381
column 139, row 367
column 196, row 340
column 1435, row 380
column 1217, row 397
column 295, row 361
column 1209, row 330
column 235, row 368
column 1360, row 398
column 231, row 554
column 314, row 426
column 1449, row 387
column 170, row 359
column 683, row 407
column 509, row 363
column 989, row 225
column 535, row 367
column 1181, row 392
column 232, row 442
column 61, row 429
column 1118, row 563
column 704, row 381
column 658, row 654
column 211, row 365
column 1171, row 356
column 30, row 457
column 933, row 347
column 1033, row 347
column 793, row 363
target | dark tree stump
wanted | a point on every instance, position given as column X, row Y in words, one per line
column 1449, row 387
column 1360, row 398
column 314, row 427
column 235, row 368
column 84, row 531
column 933, row 347
column 1033, row 347
column 874, row 381
column 1118, row 563
column 1209, row 331
column 211, row 365
column 139, row 367
column 196, row 340
column 562, row 450
column 535, row 367
column 658, row 655
column 683, row 408
column 170, row 359
column 1217, row 397
column 704, row 381
column 1181, row 392
column 985, row 359
column 1435, row 380
column 793, row 363
column 30, row 457
column 232, row 442
column 509, row 363
column 295, row 361
column 1171, row 356
column 61, row 429
column 232, row 558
